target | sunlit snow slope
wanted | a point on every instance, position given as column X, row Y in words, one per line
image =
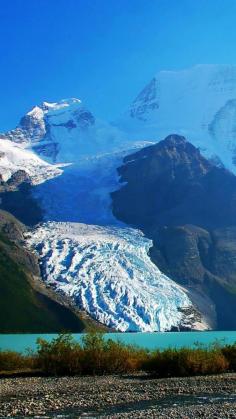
column 199, row 103
column 107, row 272
column 14, row 158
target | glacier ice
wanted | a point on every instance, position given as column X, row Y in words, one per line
column 107, row 272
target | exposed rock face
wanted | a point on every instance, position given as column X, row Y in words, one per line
column 17, row 198
column 188, row 207
column 18, row 178
column 146, row 101
column 47, row 150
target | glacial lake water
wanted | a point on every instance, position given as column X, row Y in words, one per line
column 21, row 342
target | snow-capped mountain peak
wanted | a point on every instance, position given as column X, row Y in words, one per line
column 145, row 102
column 36, row 112
column 198, row 102
column 64, row 131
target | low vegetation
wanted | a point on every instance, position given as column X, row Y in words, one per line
column 96, row 355
column 14, row 362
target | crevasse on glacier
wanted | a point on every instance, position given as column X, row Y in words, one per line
column 108, row 273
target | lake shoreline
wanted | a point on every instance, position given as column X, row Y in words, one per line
column 128, row 396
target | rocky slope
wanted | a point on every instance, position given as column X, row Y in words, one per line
column 187, row 206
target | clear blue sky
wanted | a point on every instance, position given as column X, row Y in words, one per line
column 104, row 51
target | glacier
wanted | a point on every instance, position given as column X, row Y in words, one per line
column 107, row 272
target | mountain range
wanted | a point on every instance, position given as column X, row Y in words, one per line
column 132, row 223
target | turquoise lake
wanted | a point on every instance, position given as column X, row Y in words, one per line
column 22, row 342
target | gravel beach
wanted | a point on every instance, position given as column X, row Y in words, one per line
column 119, row 397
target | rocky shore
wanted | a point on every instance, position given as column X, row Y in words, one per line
column 119, row 397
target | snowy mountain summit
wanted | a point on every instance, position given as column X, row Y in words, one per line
column 63, row 131
column 199, row 103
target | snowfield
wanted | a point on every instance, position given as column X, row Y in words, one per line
column 108, row 273
column 13, row 158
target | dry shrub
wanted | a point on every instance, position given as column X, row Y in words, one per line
column 110, row 357
column 96, row 355
column 13, row 361
column 229, row 352
column 61, row 356
column 185, row 362
column 204, row 361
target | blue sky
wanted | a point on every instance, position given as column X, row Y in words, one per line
column 104, row 51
